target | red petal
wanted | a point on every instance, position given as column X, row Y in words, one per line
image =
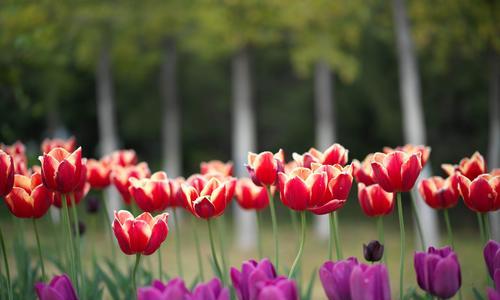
column 49, row 169
column 410, row 171
column 139, row 234
column 393, row 163
column 380, row 176
column 158, row 235
column 218, row 199
column 65, row 177
column 482, row 196
column 203, row 208
column 317, row 184
column 328, row 207
column 19, row 203
column 265, row 168
column 42, row 200
column 122, row 237
column 340, row 186
column 296, row 194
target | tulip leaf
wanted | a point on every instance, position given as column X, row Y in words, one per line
column 477, row 294
column 194, row 282
column 310, row 285
column 112, row 287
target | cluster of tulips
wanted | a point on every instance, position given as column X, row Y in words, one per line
column 316, row 182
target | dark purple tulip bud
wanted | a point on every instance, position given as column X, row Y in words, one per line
column 335, row 278
column 251, row 272
column 492, row 256
column 494, row 294
column 82, row 228
column 93, row 204
column 175, row 289
column 438, row 272
column 59, row 288
column 370, row 282
column 280, row 288
column 373, row 251
column 211, row 290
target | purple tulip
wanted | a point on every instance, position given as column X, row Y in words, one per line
column 492, row 256
column 335, row 278
column 59, row 288
column 175, row 289
column 438, row 272
column 244, row 282
column 494, row 294
column 280, row 288
column 212, row 290
column 370, row 282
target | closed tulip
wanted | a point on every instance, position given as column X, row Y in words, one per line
column 216, row 167
column 98, row 173
column 141, row 235
column 302, row 188
column 48, row 144
column 438, row 272
column 29, row 198
column 122, row 158
column 373, row 251
column 363, row 171
column 494, row 294
column 370, row 282
column 62, row 170
column 18, row 153
column 175, row 289
column 120, row 178
column 59, row 288
column 279, row 288
column 397, row 171
column 250, row 196
column 151, row 194
column 335, row 154
column 481, row 194
column 412, row 149
column 336, row 278
column 491, row 254
column 6, row 173
column 374, row 200
column 209, row 202
column 252, row 272
column 263, row 168
column 177, row 200
column 81, row 190
column 439, row 193
column 469, row 167
column 212, row 290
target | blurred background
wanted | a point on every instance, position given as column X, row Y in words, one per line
column 187, row 81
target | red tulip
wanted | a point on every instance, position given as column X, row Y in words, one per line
column 78, row 194
column 98, row 173
column 61, row 170
column 339, row 182
column 29, row 198
column 143, row 234
column 302, row 188
column 48, row 144
column 18, row 153
column 363, row 171
column 6, row 173
column 264, row 167
column 469, row 167
column 412, row 149
column 251, row 196
column 124, row 158
column 209, row 202
column 439, row 193
column 374, row 200
column 481, row 194
column 216, row 166
column 151, row 194
column 396, row 171
column 120, row 178
column 175, row 188
column 335, row 154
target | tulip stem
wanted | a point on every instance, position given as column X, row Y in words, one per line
column 417, row 221
column 259, row 228
column 77, row 243
column 69, row 236
column 481, row 227
column 6, row 263
column 214, row 254
column 198, row 249
column 487, row 230
column 221, row 226
column 107, row 221
column 448, row 227
column 178, row 243
column 134, row 272
column 332, row 236
column 44, row 277
column 402, row 244
column 301, row 245
column 275, row 228
column 380, row 229
column 338, row 246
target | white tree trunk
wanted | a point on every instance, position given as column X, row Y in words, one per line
column 494, row 140
column 243, row 140
column 325, row 124
column 106, row 116
column 413, row 120
column 171, row 118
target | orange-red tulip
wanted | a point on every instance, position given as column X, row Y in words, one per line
column 120, row 178
column 61, row 170
column 363, row 171
column 48, row 144
column 335, row 154
column 209, row 202
column 98, row 173
column 143, row 234
column 216, row 166
column 439, row 193
column 469, row 167
column 124, row 158
column 18, row 153
column 251, row 196
column 78, row 194
column 481, row 194
column 6, row 173
column 151, row 194
column 29, row 198
column 412, row 149
column 339, row 182
column 374, row 200
column 396, row 171
column 264, row 167
column 302, row 188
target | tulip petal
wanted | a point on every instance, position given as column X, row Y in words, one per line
column 139, row 233
column 296, row 194
column 446, row 278
column 381, row 177
column 65, row 177
column 158, row 235
column 42, row 200
column 122, row 237
column 203, row 207
column 410, row 170
column 481, row 196
column 340, row 186
column 19, row 203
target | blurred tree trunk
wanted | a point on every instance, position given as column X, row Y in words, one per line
column 411, row 104
column 106, row 114
column 243, row 140
column 494, row 140
column 325, row 123
column 171, row 120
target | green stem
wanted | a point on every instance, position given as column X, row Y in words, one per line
column 481, row 227
column 332, row 236
column 338, row 246
column 260, row 233
column 301, row 246
column 77, row 244
column 487, row 230
column 198, row 249
column 380, row 229
column 69, row 236
column 134, row 272
column 44, row 277
column 275, row 228
column 402, row 245
column 417, row 220
column 448, row 228
column 221, row 226
column 108, row 224
column 160, row 265
column 178, row 243
column 6, row 263
column 212, row 246
column 293, row 217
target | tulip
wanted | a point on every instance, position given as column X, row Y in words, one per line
column 370, row 283
column 438, row 272
column 61, row 170
column 122, row 158
column 252, row 272
column 6, row 173
column 491, row 254
column 209, row 202
column 79, row 193
column 363, row 172
column 250, row 196
column 120, row 178
column 216, row 167
column 373, row 251
column 49, row 144
column 439, row 193
column 412, row 149
column 29, row 198
column 175, row 289
column 212, row 290
column 469, row 167
column 494, row 294
column 177, row 200
column 335, row 154
column 374, row 200
column 279, row 288
column 481, row 194
column 98, row 173
column 302, row 188
column 396, row 171
column 264, row 167
column 151, row 194
column 59, row 288
column 18, row 153
column 335, row 278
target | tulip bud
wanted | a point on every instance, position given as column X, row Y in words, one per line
column 373, row 251
column 60, row 287
column 82, row 228
column 93, row 204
